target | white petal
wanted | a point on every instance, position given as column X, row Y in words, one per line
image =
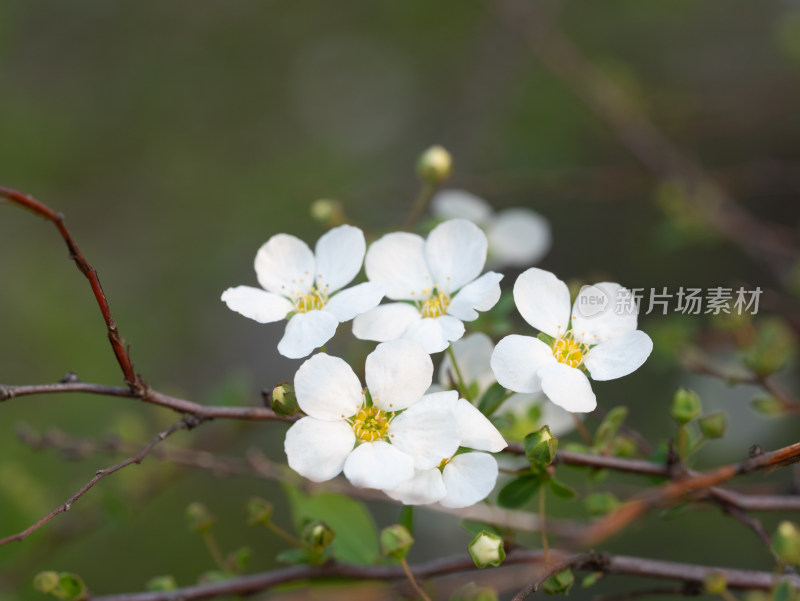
column 327, row 388
column 456, row 253
column 475, row 430
column 305, row 332
column 425, row 487
column 285, row 265
column 427, row 431
column 450, row 204
column 264, row 307
column 480, row 295
column 602, row 312
column 435, row 333
column 516, row 359
column 567, row 387
column 398, row 261
column 339, row 254
column 472, row 354
column 469, row 478
column 518, row 237
column 317, row 449
column 385, row 322
column 345, row 305
column 543, row 301
column 398, row 373
column 446, row 398
column 378, row 465
column 619, row 356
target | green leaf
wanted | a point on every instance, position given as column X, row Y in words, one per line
column 768, row 406
column 356, row 534
column 492, row 399
column 774, row 346
column 407, row 518
column 561, row 490
column 560, row 583
column 591, row 579
column 518, row 492
column 784, row 591
column 608, row 428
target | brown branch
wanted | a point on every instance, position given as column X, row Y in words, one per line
column 132, row 379
column 184, row 424
column 147, row 395
column 609, row 564
column 673, row 491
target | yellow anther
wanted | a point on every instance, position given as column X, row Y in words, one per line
column 435, row 305
column 313, row 301
column 569, row 352
column 370, row 424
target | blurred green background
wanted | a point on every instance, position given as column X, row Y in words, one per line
column 178, row 136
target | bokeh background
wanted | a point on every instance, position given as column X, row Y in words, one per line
column 177, row 137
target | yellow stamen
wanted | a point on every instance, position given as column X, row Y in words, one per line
column 435, row 305
column 313, row 301
column 569, row 352
column 370, row 424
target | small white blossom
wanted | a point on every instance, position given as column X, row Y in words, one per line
column 592, row 336
column 438, row 280
column 458, row 480
column 305, row 288
column 473, row 353
column 378, row 441
column 518, row 237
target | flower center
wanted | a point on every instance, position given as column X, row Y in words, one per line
column 370, row 424
column 569, row 352
column 313, row 301
column 436, row 304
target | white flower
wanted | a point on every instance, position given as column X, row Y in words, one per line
column 438, row 276
column 302, row 286
column 518, row 237
column 473, row 353
column 377, row 444
column 458, row 480
column 600, row 338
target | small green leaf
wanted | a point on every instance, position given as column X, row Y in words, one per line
column 407, row 518
column 768, row 406
column 786, row 543
column 560, row 583
column 518, row 492
column 239, row 559
column 293, row 556
column 773, row 347
column 608, row 428
column 601, row 503
column 591, row 579
column 561, row 490
column 492, row 399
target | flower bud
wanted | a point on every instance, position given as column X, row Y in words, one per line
column 435, row 165
column 487, row 549
column 64, row 585
column 317, row 536
column 768, row 406
column 327, row 211
column 786, row 543
column 713, row 425
column 258, row 511
column 283, row 400
column 541, row 446
column 685, row 406
column 45, row 582
column 396, row 541
column 198, row 518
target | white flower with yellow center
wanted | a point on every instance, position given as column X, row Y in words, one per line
column 458, row 480
column 437, row 278
column 378, row 437
column 518, row 236
column 305, row 288
column 473, row 354
column 597, row 335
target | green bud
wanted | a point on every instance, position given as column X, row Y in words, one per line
column 327, row 211
column 559, row 584
column 317, row 536
column 258, row 511
column 396, row 541
column 713, row 425
column 434, row 165
column 45, row 582
column 685, row 406
column 162, row 583
column 541, row 446
column 283, row 400
column 623, row 446
column 601, row 503
column 715, row 583
column 486, row 549
column 786, row 543
column 768, row 406
column 198, row 518
column 773, row 347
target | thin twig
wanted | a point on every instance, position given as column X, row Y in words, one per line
column 184, row 424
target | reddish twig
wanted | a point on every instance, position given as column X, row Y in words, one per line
column 132, row 379
column 184, row 424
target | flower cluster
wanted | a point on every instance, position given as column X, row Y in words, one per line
column 422, row 443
